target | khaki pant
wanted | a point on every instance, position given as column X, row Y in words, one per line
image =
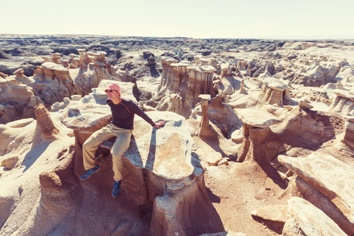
column 118, row 149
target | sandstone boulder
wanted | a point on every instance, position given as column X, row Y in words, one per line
column 329, row 176
column 17, row 100
column 343, row 103
column 305, row 219
column 9, row 163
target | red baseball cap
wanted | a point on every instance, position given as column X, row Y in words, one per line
column 114, row 87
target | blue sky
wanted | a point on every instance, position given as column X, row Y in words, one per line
column 307, row 19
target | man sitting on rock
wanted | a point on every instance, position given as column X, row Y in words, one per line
column 120, row 127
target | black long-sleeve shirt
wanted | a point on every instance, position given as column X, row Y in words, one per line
column 123, row 114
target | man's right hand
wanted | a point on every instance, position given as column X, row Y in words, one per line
column 159, row 124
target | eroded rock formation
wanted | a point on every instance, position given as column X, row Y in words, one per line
column 244, row 100
column 181, row 85
column 306, row 219
column 93, row 69
column 44, row 122
column 274, row 92
column 52, row 83
column 17, row 100
column 348, row 138
column 266, row 134
column 318, row 171
column 175, row 194
column 343, row 103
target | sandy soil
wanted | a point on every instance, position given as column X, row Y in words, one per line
column 234, row 200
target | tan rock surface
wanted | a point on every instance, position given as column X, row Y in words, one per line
column 17, row 100
column 305, row 219
column 181, row 85
column 343, row 103
column 322, row 202
column 329, row 176
column 9, row 163
column 93, row 69
column 246, row 100
column 276, row 213
column 172, row 180
column 348, row 138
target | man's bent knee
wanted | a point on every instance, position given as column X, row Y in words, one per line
column 87, row 145
column 116, row 153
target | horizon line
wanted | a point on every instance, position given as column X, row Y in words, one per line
column 187, row 37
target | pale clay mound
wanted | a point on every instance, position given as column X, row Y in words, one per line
column 258, row 140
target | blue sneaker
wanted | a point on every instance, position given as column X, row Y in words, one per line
column 116, row 188
column 89, row 173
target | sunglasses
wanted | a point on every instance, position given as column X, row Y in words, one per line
column 111, row 90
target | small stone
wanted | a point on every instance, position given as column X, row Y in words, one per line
column 75, row 97
column 9, row 163
column 305, row 104
column 20, row 190
column 66, row 100
column 223, row 161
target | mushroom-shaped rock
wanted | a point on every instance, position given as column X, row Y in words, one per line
column 205, row 129
column 53, row 82
column 53, row 67
column 93, row 69
column 17, row 100
column 19, row 72
column 258, row 137
column 56, row 58
column 274, row 92
column 267, row 133
column 159, row 170
column 20, row 76
column 183, row 82
column 12, row 90
column 226, row 70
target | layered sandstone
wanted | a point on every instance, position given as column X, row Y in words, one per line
column 274, row 92
column 163, row 192
column 181, row 85
column 348, row 138
column 52, row 82
column 268, row 133
column 174, row 192
column 21, row 77
column 306, row 219
column 93, row 69
column 343, row 103
column 17, row 100
column 331, row 178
